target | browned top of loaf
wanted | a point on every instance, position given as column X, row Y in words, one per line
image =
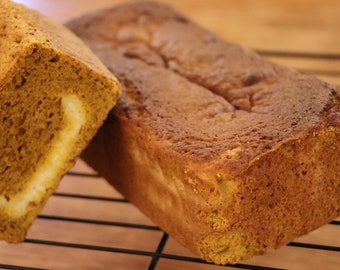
column 209, row 99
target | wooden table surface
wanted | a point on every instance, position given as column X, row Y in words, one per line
column 87, row 224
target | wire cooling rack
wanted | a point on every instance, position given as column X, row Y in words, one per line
column 86, row 224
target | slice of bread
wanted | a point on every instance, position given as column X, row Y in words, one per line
column 54, row 95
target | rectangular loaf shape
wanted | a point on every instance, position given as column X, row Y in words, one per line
column 231, row 154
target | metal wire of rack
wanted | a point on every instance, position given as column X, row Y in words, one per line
column 73, row 231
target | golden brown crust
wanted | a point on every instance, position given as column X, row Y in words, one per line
column 54, row 94
column 213, row 143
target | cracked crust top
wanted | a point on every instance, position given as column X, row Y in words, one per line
column 229, row 98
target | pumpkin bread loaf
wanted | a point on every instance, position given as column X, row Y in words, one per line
column 54, row 95
column 231, row 154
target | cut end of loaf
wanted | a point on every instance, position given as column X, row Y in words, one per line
column 48, row 117
column 16, row 204
column 32, row 189
column 52, row 103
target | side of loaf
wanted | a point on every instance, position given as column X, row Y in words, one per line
column 54, row 95
column 232, row 155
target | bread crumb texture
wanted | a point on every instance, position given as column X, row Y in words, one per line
column 231, row 154
column 54, row 94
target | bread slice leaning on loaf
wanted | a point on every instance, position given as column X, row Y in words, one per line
column 54, row 95
column 230, row 154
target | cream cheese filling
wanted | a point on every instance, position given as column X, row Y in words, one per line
column 51, row 168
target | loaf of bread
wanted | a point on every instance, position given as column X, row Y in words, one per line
column 54, row 95
column 232, row 155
